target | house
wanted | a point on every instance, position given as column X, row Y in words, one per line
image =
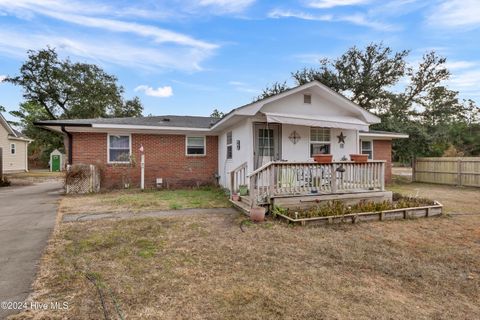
column 277, row 135
column 14, row 147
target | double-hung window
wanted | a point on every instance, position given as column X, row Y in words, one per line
column 195, row 146
column 13, row 148
column 229, row 145
column 319, row 141
column 119, row 148
column 367, row 148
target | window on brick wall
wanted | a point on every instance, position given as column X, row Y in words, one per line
column 119, row 148
column 195, row 146
column 229, row 145
column 367, row 148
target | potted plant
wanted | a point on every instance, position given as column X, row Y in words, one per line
column 243, row 190
column 323, row 158
column 359, row 157
column 235, row 196
column 257, row 214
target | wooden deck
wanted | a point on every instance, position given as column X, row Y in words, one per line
column 310, row 181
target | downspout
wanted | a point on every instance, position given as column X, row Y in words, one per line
column 70, row 144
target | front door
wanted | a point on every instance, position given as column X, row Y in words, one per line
column 267, row 143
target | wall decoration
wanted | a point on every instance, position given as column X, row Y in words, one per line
column 341, row 138
column 238, row 144
column 294, row 137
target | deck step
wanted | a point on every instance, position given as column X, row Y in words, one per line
column 242, row 206
column 246, row 200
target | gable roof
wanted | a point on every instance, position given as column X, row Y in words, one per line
column 12, row 133
column 254, row 107
column 7, row 126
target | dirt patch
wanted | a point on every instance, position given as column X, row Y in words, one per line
column 206, row 267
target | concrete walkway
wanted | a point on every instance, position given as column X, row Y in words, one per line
column 131, row 215
column 27, row 218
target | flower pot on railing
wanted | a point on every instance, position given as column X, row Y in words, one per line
column 257, row 214
column 359, row 158
column 323, row 158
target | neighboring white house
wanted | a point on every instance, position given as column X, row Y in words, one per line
column 14, row 147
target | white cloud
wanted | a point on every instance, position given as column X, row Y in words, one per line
column 280, row 13
column 325, row 4
column 105, row 50
column 226, row 6
column 243, row 87
column 357, row 19
column 160, row 92
column 153, row 48
column 456, row 13
column 2, row 77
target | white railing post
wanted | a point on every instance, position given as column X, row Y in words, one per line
column 333, row 178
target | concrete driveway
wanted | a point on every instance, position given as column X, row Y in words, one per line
column 27, row 218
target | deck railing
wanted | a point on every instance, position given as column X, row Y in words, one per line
column 281, row 178
column 238, row 177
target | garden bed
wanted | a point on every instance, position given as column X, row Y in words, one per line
column 337, row 212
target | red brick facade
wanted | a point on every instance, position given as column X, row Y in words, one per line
column 164, row 158
column 382, row 150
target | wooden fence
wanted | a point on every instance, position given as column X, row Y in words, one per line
column 445, row 170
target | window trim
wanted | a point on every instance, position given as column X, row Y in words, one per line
column 129, row 145
column 371, row 147
column 329, row 142
column 204, row 146
column 229, row 144
column 13, row 147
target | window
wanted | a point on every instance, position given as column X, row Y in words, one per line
column 266, row 148
column 307, row 98
column 319, row 141
column 13, row 148
column 367, row 148
column 119, row 148
column 195, row 146
column 229, row 145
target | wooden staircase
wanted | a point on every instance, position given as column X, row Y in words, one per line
column 243, row 205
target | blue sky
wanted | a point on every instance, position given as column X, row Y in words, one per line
column 189, row 57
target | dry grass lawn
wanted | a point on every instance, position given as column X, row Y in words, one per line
column 454, row 199
column 205, row 267
column 135, row 200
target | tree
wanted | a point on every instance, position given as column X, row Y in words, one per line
column 68, row 90
column 275, row 88
column 362, row 75
column 55, row 88
column 217, row 114
column 44, row 141
column 408, row 98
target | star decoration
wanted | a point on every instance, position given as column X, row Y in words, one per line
column 294, row 137
column 341, row 138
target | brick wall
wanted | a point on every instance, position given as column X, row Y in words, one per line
column 382, row 150
column 164, row 158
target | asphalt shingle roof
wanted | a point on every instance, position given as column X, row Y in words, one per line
column 159, row 121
